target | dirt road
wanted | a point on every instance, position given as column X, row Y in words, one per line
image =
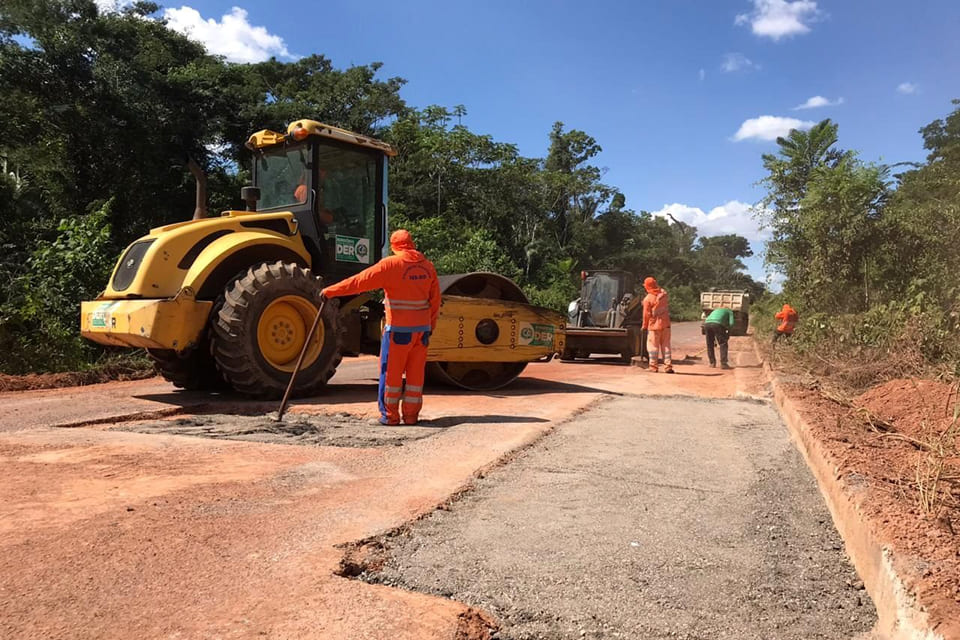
column 208, row 527
column 77, row 406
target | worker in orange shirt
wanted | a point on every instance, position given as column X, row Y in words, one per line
column 412, row 303
column 788, row 321
column 656, row 320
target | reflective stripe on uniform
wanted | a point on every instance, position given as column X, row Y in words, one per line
column 399, row 329
column 414, row 388
column 408, row 307
column 387, row 388
column 412, row 399
column 389, row 400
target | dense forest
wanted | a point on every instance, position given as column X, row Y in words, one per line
column 100, row 115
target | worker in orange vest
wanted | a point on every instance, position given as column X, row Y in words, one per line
column 656, row 320
column 412, row 303
column 788, row 321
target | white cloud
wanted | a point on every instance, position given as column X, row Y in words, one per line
column 818, row 101
column 733, row 62
column 769, row 128
column 775, row 281
column 233, row 37
column 733, row 217
column 906, row 88
column 112, row 6
column 780, row 18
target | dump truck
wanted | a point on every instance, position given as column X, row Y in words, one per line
column 227, row 302
column 606, row 318
column 736, row 301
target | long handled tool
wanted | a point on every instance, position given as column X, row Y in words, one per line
column 303, row 353
column 695, row 356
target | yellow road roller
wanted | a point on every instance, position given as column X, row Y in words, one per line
column 228, row 301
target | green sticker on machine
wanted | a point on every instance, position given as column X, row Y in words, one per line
column 536, row 335
column 350, row 249
column 101, row 315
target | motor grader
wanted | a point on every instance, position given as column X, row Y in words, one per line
column 228, row 301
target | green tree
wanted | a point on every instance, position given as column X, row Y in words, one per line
column 789, row 173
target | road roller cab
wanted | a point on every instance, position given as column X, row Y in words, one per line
column 228, row 301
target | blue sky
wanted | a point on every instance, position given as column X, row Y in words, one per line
column 664, row 86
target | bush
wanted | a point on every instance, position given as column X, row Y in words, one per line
column 40, row 317
column 684, row 303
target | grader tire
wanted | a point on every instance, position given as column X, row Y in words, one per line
column 260, row 331
column 193, row 371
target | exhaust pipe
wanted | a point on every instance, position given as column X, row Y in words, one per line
column 201, row 178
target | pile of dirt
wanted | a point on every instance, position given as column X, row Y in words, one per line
column 107, row 373
column 918, row 408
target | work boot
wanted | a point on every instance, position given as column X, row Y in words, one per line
column 725, row 366
column 654, row 369
column 712, row 365
column 668, row 369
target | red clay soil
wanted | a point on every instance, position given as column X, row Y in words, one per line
column 877, row 447
column 109, row 373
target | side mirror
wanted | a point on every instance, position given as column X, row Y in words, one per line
column 250, row 195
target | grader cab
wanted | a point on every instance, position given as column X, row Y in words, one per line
column 228, row 301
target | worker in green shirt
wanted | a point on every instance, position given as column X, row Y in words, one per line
column 717, row 329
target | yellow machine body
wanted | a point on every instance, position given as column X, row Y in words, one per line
column 158, row 307
column 173, row 323
column 524, row 333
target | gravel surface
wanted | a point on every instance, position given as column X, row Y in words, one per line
column 644, row 518
column 337, row 430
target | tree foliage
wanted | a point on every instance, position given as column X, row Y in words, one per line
column 853, row 240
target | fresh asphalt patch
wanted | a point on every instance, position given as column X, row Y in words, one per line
column 336, row 430
column 642, row 518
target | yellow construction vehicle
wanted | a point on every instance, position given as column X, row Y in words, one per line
column 228, row 301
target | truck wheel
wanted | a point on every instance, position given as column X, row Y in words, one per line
column 261, row 328
column 634, row 344
column 194, row 370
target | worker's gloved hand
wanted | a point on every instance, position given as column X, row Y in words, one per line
column 323, row 295
column 426, row 338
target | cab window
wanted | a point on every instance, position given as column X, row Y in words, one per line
column 284, row 177
column 347, row 192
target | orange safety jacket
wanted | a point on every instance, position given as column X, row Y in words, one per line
column 788, row 319
column 410, row 283
column 656, row 310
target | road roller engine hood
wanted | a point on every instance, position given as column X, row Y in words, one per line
column 186, row 254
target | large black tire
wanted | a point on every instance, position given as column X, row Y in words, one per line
column 634, row 344
column 237, row 350
column 194, row 370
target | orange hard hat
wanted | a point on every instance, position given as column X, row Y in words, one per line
column 650, row 284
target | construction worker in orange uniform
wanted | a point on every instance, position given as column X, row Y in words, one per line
column 656, row 320
column 412, row 303
column 788, row 317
